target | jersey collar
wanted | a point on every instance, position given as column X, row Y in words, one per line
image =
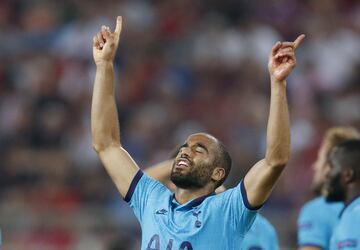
column 190, row 204
column 349, row 204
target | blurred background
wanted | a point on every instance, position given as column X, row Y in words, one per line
column 183, row 66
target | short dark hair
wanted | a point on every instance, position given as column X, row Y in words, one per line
column 224, row 160
column 347, row 155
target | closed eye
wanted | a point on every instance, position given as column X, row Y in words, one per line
column 201, row 148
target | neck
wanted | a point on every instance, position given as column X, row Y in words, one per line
column 184, row 195
column 352, row 192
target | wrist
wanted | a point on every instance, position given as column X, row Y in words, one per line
column 277, row 83
column 104, row 64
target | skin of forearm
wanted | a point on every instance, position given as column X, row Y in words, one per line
column 161, row 171
column 104, row 117
column 278, row 130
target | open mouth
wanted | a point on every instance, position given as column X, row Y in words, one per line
column 183, row 163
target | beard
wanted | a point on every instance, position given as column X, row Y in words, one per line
column 197, row 176
column 334, row 191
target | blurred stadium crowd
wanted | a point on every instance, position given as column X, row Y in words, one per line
column 183, row 66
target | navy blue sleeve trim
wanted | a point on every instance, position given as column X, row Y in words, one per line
column 311, row 245
column 133, row 185
column 245, row 199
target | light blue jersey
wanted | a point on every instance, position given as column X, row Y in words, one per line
column 316, row 222
column 347, row 233
column 261, row 236
column 212, row 222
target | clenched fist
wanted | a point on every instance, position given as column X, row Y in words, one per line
column 105, row 43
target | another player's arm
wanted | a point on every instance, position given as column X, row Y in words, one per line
column 162, row 172
column 104, row 119
column 261, row 178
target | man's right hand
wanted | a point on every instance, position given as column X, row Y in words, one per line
column 106, row 42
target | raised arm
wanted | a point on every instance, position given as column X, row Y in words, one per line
column 161, row 172
column 104, row 119
column 261, row 178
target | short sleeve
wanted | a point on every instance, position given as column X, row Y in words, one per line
column 236, row 207
column 312, row 230
column 143, row 189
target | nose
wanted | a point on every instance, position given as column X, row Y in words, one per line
column 184, row 152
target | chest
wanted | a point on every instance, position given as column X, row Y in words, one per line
column 347, row 232
column 180, row 229
column 179, row 221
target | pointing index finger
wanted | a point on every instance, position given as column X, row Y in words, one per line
column 298, row 40
column 118, row 25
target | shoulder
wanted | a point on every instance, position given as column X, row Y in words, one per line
column 143, row 185
column 318, row 216
column 238, row 195
column 312, row 214
column 314, row 203
column 227, row 194
column 231, row 202
column 154, row 186
column 319, row 208
column 351, row 215
column 309, row 209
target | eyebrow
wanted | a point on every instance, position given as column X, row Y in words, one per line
column 198, row 144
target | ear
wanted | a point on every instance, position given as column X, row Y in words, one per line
column 218, row 174
column 348, row 175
